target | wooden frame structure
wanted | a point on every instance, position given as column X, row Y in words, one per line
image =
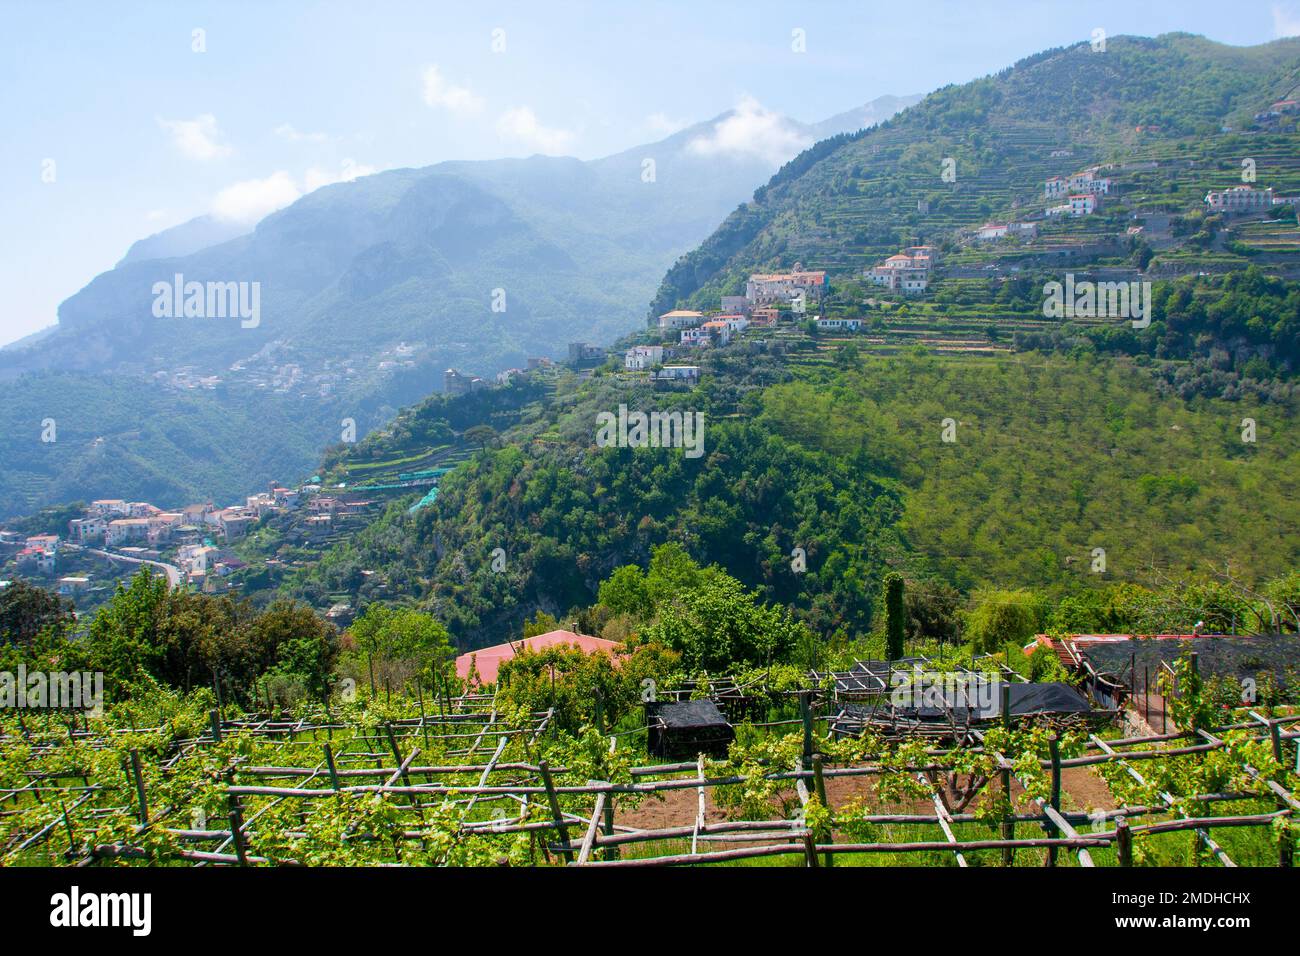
column 571, row 817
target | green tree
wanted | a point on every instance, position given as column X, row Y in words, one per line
column 719, row 626
column 26, row 610
column 540, row 623
column 481, row 435
column 401, row 642
column 125, row 637
column 895, row 615
column 295, row 641
column 626, row 591
column 1002, row 617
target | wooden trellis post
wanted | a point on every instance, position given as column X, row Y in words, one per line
column 554, row 801
column 1054, row 748
column 1285, row 848
column 1124, row 841
column 805, row 709
column 334, row 773
column 1008, row 823
column 236, row 816
column 138, row 774
column 820, row 784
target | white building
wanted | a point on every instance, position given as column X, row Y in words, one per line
column 1240, row 199
column 47, row 543
column 1084, row 182
column 720, row 330
column 766, row 288
column 127, row 531
column 88, row 529
column 1083, row 204
column 689, row 374
column 907, row 272
column 838, row 325
column 641, row 357
column 680, row 319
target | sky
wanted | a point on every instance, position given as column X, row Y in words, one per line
column 124, row 118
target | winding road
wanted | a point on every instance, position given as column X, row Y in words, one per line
column 173, row 573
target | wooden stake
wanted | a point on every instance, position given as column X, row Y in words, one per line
column 1054, row 746
column 1008, row 824
column 805, row 708
column 334, row 773
column 1124, row 841
column 1285, row 847
column 554, row 801
column 819, row 783
column 236, row 820
column 138, row 774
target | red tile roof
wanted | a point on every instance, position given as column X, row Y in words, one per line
column 488, row 660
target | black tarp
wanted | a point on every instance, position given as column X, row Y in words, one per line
column 1045, row 698
column 691, row 713
column 686, row 728
column 982, row 700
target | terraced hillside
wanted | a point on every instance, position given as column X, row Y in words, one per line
column 1174, row 115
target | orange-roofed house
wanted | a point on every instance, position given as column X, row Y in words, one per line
column 488, row 660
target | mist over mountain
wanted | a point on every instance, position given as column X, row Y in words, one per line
column 183, row 239
column 365, row 291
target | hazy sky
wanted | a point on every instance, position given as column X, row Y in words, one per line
column 144, row 132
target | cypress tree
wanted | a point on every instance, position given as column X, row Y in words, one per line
column 895, row 612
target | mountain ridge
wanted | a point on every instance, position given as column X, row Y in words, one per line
column 369, row 289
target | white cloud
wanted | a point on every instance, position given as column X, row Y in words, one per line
column 440, row 94
column 288, row 131
column 663, row 125
column 1286, row 20
column 197, row 138
column 752, row 131
column 250, row 200
column 521, row 125
column 348, row 170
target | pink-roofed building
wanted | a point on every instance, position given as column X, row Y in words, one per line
column 488, row 660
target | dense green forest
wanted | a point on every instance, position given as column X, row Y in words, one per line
column 843, row 456
column 120, row 437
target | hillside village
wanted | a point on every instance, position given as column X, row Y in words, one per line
column 1093, row 221
column 192, row 544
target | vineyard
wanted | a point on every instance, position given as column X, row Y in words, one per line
column 172, row 780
